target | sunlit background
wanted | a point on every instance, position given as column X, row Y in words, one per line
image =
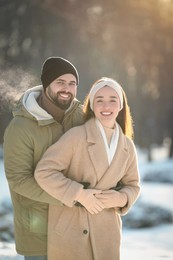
column 130, row 41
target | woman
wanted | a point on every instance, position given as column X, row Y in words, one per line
column 83, row 170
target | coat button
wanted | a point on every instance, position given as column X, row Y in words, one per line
column 85, row 231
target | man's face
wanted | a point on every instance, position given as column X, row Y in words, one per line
column 62, row 90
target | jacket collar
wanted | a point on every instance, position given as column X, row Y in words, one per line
column 53, row 110
column 98, row 155
column 28, row 106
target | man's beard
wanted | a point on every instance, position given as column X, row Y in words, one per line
column 63, row 104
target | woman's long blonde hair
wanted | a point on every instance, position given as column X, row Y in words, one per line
column 124, row 118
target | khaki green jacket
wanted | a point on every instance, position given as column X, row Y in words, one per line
column 29, row 134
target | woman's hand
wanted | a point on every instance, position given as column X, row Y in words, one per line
column 112, row 198
column 87, row 198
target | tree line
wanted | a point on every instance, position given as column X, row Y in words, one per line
column 130, row 41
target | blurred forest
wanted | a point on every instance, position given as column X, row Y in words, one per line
column 130, row 41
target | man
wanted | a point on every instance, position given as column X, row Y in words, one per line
column 42, row 115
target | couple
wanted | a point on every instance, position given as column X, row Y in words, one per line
column 88, row 177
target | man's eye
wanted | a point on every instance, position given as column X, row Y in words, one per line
column 72, row 84
column 60, row 83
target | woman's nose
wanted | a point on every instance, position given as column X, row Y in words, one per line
column 106, row 105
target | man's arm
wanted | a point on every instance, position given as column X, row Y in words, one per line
column 19, row 164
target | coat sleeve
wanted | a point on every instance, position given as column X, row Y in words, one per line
column 51, row 171
column 18, row 151
column 131, row 180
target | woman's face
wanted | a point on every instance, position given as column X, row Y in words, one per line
column 106, row 106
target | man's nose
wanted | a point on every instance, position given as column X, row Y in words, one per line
column 66, row 87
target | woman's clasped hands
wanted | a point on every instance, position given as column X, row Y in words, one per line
column 96, row 200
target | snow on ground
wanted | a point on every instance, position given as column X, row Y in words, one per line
column 147, row 243
column 7, row 252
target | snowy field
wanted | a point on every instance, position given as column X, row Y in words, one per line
column 145, row 244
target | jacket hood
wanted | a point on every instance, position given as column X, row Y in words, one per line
column 29, row 107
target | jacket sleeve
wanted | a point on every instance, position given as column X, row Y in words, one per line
column 19, row 165
column 131, row 180
column 52, row 171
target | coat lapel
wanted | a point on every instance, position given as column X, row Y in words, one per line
column 107, row 176
column 96, row 148
column 114, row 172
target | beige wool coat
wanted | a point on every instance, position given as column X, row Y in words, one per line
column 80, row 156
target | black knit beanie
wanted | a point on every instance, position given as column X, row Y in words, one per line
column 54, row 67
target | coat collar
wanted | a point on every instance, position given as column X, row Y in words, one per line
column 98, row 156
